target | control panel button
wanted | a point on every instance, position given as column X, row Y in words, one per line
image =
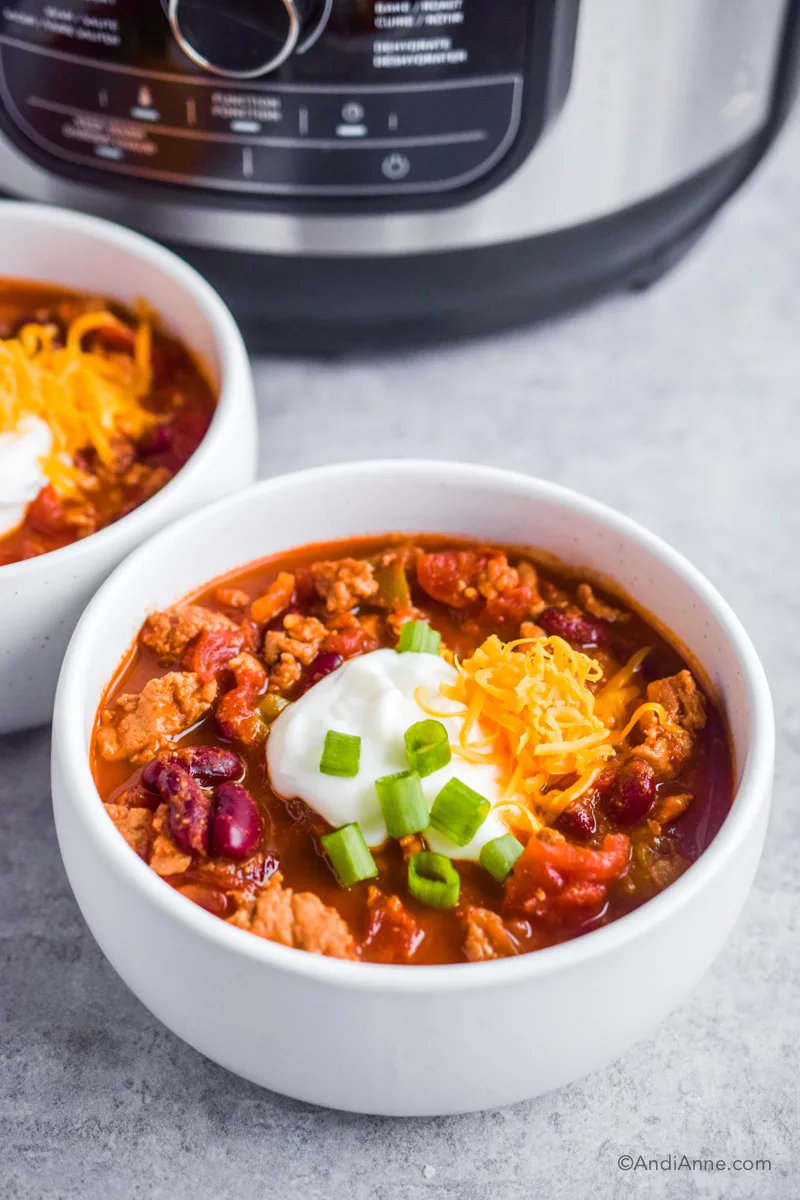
column 240, row 39
column 396, row 165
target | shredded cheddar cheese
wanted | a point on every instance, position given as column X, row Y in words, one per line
column 540, row 721
column 88, row 398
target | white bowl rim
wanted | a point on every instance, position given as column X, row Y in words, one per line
column 230, row 347
column 70, row 753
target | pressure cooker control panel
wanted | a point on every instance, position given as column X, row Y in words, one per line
column 277, row 98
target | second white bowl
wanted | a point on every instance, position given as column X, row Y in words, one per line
column 42, row 598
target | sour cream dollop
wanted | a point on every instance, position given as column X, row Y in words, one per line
column 372, row 697
column 21, row 475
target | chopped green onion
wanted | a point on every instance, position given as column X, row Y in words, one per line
column 402, row 803
column 499, row 856
column 433, row 879
column 271, row 707
column 340, row 754
column 458, row 812
column 350, row 855
column 417, row 637
column 427, row 747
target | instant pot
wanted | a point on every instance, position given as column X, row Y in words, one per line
column 355, row 173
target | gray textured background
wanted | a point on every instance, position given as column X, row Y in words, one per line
column 679, row 407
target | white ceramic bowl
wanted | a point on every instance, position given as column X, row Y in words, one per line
column 407, row 1040
column 42, row 598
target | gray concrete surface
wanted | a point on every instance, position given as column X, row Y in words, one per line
column 680, row 407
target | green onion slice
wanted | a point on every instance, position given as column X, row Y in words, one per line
column 458, row 812
column 402, row 803
column 340, row 754
column 433, row 879
column 499, row 856
column 417, row 637
column 427, row 747
column 350, row 855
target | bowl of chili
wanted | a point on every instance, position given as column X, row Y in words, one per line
column 307, row 881
column 126, row 401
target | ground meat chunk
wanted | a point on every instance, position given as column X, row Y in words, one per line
column 166, row 858
column 529, row 629
column 510, row 592
column 669, row 808
column 136, row 796
column 301, row 637
column 135, row 825
column 487, row 936
column 668, row 750
column 146, row 480
column 284, row 675
column 596, row 608
column 287, row 650
column 344, row 583
column 298, row 919
column 683, row 703
column 143, row 723
column 168, row 633
column 411, row 844
column 496, row 576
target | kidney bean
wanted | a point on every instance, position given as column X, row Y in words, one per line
column 321, row 666
column 150, row 774
column 236, row 823
column 46, row 514
column 207, row 764
column 574, row 626
column 210, row 764
column 633, row 792
column 578, row 821
column 189, row 809
column 305, row 592
column 157, row 441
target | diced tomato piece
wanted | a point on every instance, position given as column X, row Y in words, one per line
column 211, row 652
column 46, row 513
column 564, row 883
column 392, row 935
column 450, row 576
column 347, row 636
column 237, row 715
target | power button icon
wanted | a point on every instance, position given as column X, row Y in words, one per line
column 396, row 166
